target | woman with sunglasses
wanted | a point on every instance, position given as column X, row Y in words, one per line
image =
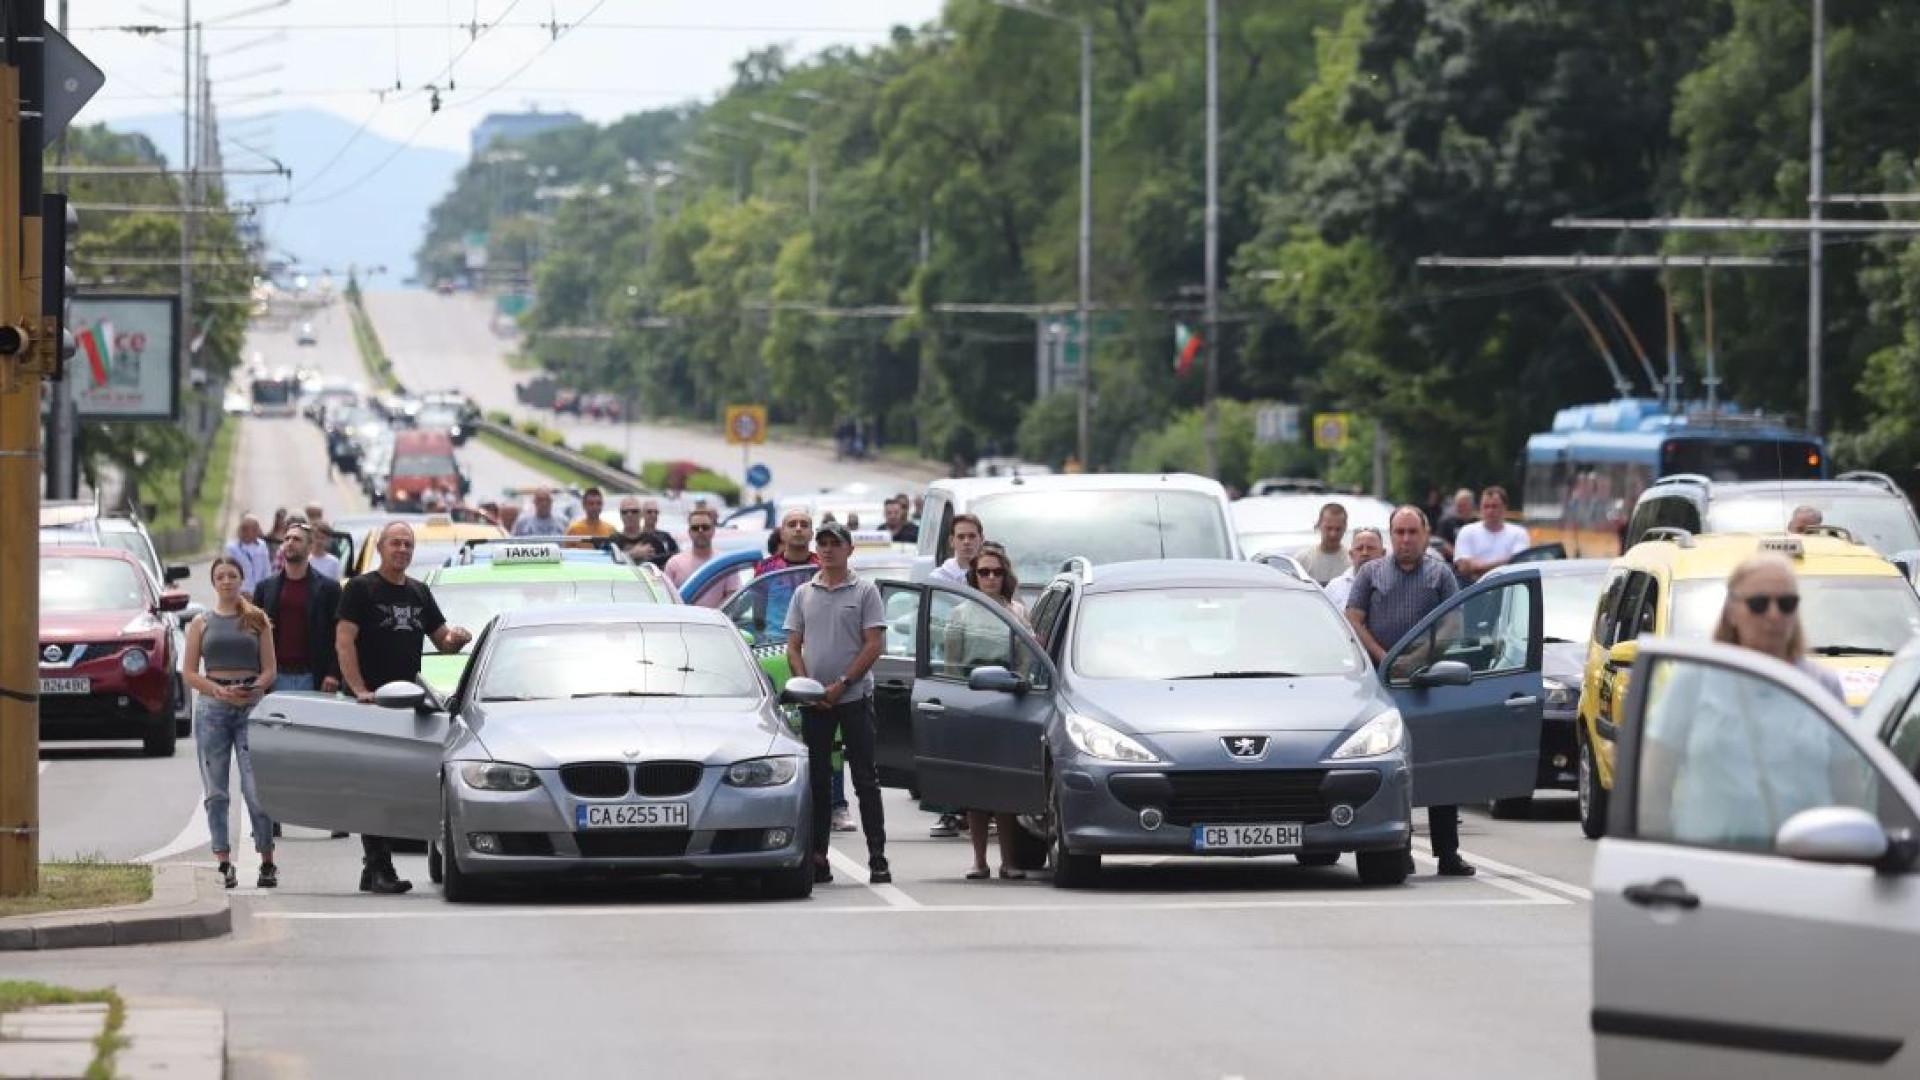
column 1731, row 765
column 992, row 573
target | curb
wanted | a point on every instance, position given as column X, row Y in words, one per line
column 188, row 904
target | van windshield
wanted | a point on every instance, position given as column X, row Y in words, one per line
column 423, row 465
column 1042, row 529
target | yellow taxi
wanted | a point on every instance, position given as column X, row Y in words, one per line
column 436, row 538
column 1856, row 611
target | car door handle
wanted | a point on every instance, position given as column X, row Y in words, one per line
column 930, row 707
column 1521, row 701
column 271, row 720
column 1667, row 892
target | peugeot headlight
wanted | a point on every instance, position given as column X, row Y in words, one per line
column 498, row 776
column 762, row 772
column 1559, row 694
column 1097, row 740
column 1381, row 735
column 133, row 661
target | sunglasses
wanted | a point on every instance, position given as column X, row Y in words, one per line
column 699, row 528
column 988, row 571
column 1788, row 603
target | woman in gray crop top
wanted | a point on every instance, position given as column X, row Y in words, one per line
column 234, row 644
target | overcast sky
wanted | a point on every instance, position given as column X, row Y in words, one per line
column 610, row 58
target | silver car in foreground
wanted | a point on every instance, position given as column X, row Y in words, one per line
column 598, row 739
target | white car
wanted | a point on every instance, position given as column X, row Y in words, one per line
column 305, row 335
column 1289, row 521
column 1756, row 896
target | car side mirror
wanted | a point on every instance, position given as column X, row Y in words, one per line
column 174, row 600
column 801, row 690
column 1442, row 673
column 400, row 694
column 178, row 573
column 1844, row 835
column 997, row 680
column 1623, row 653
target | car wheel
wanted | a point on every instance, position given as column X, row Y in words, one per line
column 436, row 864
column 1030, row 842
column 1317, row 858
column 160, row 737
column 1520, row 806
column 1593, row 797
column 1070, row 870
column 1378, row 868
column 456, row 886
column 795, row 883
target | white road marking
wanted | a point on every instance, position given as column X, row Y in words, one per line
column 682, row 910
column 44, row 766
column 890, row 893
column 192, row 835
column 1514, row 879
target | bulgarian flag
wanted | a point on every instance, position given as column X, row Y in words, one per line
column 97, row 342
column 1187, row 345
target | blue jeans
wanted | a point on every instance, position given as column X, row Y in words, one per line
column 220, row 734
column 286, row 680
column 840, row 787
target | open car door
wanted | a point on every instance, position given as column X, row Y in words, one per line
column 1475, row 734
column 982, row 698
column 329, row 762
column 893, row 678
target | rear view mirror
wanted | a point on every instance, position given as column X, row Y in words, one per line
column 997, row 680
column 1623, row 653
column 400, row 694
column 1442, row 673
column 178, row 573
column 801, row 690
column 1833, row 834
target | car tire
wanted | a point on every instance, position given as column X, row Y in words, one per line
column 1070, row 870
column 1030, row 846
column 1317, row 858
column 161, row 736
column 794, row 883
column 1382, row 868
column 1514, row 809
column 1592, row 797
column 456, row 885
column 436, row 864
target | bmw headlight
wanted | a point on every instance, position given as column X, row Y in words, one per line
column 762, row 772
column 1381, row 735
column 1097, row 740
column 498, row 776
column 1559, row 694
column 133, row 661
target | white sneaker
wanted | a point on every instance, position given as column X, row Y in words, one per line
column 843, row 821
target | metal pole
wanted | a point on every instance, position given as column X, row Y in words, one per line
column 63, row 473
column 21, row 80
column 1085, row 312
column 1816, row 253
column 188, row 199
column 1211, row 342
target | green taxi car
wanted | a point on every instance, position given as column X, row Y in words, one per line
column 495, row 576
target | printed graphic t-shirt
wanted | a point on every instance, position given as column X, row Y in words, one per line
column 394, row 621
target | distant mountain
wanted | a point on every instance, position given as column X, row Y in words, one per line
column 368, row 208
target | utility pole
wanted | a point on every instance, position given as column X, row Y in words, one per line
column 1085, row 312
column 1816, row 206
column 27, row 355
column 1211, row 338
column 189, row 38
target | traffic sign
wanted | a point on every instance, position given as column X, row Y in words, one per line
column 746, row 425
column 1330, row 430
column 69, row 81
column 759, row 476
column 1277, row 424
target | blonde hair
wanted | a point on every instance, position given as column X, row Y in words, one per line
column 252, row 619
column 1726, row 633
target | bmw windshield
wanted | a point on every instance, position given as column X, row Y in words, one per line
column 615, row 660
column 475, row 605
column 1207, row 633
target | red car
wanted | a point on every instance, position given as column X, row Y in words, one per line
column 106, row 670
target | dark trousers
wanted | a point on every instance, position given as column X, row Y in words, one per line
column 1443, row 828
column 853, row 721
column 377, row 851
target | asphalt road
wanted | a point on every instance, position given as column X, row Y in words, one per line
column 446, row 341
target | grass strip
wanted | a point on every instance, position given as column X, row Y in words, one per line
column 563, row 474
column 373, row 355
column 160, row 489
column 16, row 994
column 83, row 883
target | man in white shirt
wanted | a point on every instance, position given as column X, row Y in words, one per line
column 965, row 536
column 1367, row 545
column 1489, row 542
column 1327, row 559
column 251, row 552
column 323, row 561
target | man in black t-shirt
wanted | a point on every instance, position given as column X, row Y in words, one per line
column 385, row 617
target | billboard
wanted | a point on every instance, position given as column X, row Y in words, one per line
column 126, row 361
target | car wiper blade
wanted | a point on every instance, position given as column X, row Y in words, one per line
column 1244, row 675
column 1850, row 650
column 624, row 693
column 510, row 697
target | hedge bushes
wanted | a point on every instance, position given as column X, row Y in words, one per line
column 605, row 455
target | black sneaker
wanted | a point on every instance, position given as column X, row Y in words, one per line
column 878, row 871
column 382, row 880
column 822, row 873
column 1455, row 866
column 269, row 876
column 229, row 875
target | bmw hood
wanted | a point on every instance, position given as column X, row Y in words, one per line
column 1158, row 707
column 548, row 734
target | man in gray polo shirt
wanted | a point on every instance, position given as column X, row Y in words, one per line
column 1389, row 597
column 835, row 630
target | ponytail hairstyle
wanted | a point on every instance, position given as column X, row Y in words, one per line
column 252, row 619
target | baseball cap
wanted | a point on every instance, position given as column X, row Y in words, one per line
column 834, row 529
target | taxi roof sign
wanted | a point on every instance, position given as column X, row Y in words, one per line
column 1790, row 546
column 525, row 554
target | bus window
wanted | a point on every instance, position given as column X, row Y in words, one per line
column 1744, row 459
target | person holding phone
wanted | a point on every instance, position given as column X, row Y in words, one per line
column 234, row 644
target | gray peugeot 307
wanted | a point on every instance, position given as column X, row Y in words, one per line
column 618, row 738
column 1214, row 708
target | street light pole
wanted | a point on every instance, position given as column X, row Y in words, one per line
column 1816, row 206
column 1211, row 338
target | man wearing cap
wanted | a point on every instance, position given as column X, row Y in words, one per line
column 836, row 626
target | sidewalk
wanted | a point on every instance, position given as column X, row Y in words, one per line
column 188, row 903
column 158, row 1040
